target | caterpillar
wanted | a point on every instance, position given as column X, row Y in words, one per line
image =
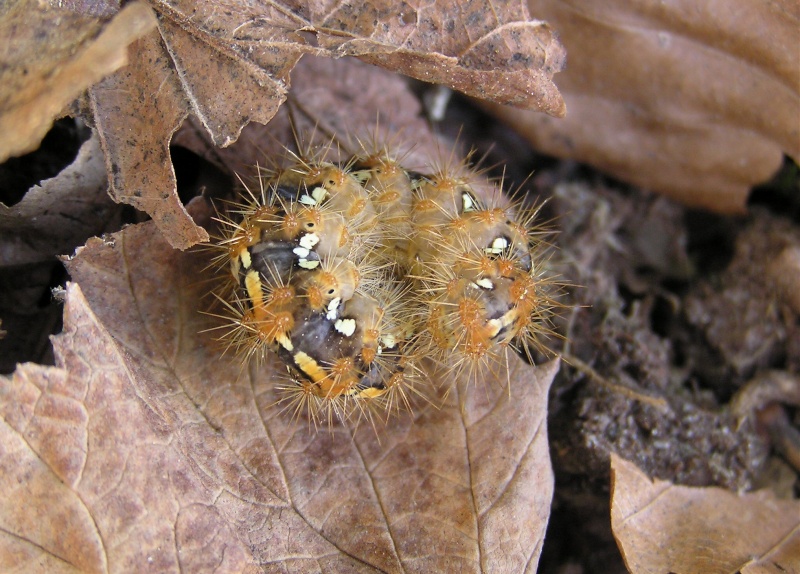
column 359, row 273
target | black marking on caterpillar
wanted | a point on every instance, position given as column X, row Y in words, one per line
column 353, row 273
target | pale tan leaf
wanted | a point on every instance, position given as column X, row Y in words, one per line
column 692, row 99
column 661, row 527
column 466, row 486
column 102, row 481
column 56, row 534
column 49, row 56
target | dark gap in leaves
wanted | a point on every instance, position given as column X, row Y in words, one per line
column 712, row 373
column 29, row 313
column 58, row 149
column 781, row 195
column 579, row 537
column 196, row 175
column 563, row 393
column 130, row 215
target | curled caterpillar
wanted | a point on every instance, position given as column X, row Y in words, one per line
column 354, row 272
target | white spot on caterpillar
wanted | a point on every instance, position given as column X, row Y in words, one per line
column 333, row 308
column 306, row 264
column 285, row 342
column 388, row 341
column 362, row 175
column 319, row 193
column 485, row 283
column 306, row 199
column 345, row 326
column 301, row 252
column 469, row 203
column 509, row 317
column 494, row 325
column 498, row 246
column 309, row 240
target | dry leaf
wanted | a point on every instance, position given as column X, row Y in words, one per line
column 168, row 455
column 95, row 478
column 230, row 67
column 49, row 56
column 60, row 213
column 489, row 50
column 661, row 527
column 695, row 100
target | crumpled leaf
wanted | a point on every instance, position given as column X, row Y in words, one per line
column 230, row 67
column 661, row 527
column 173, row 456
column 489, row 50
column 49, row 56
column 694, row 100
column 60, row 213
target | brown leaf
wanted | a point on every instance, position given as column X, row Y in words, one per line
column 230, row 67
column 661, row 527
column 50, row 56
column 694, row 100
column 489, row 50
column 59, row 214
column 171, row 455
column 99, row 479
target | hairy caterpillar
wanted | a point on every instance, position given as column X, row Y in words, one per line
column 354, row 272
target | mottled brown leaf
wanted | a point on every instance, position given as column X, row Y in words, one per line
column 187, row 450
column 60, row 213
column 697, row 100
column 661, row 527
column 230, row 67
column 49, row 55
column 100, row 478
column 136, row 112
column 486, row 49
